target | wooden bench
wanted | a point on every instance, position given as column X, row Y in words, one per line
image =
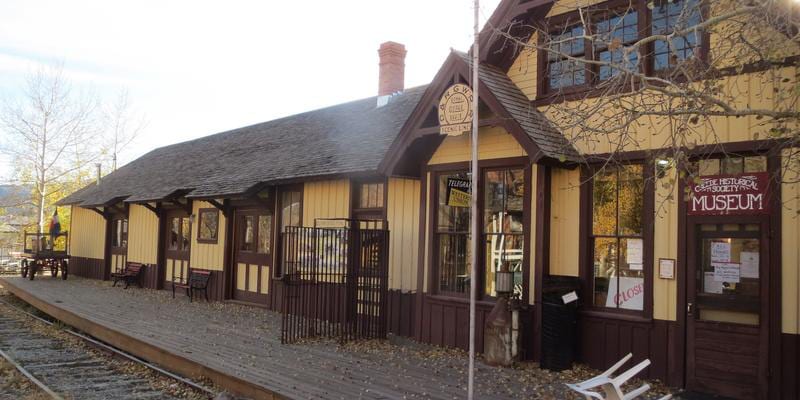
column 198, row 281
column 129, row 274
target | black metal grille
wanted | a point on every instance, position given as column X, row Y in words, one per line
column 335, row 280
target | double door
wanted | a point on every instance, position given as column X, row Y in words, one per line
column 728, row 307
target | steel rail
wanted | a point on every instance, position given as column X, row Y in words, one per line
column 30, row 377
column 211, row 393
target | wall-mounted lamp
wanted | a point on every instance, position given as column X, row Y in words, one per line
column 662, row 165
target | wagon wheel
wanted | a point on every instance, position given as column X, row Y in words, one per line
column 64, row 265
column 24, row 268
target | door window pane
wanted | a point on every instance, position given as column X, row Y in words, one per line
column 264, row 233
column 728, row 280
column 248, row 237
column 175, row 231
column 186, row 232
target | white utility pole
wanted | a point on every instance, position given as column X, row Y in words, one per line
column 473, row 280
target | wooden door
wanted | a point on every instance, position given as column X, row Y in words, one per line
column 119, row 243
column 253, row 255
column 728, row 307
column 178, row 240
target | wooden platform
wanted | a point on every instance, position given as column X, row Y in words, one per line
column 238, row 347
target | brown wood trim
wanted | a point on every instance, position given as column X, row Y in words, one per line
column 162, row 246
column 676, row 364
column 542, row 250
column 145, row 350
column 526, row 232
column 775, row 239
column 355, row 186
column 227, row 256
column 421, row 259
column 488, row 163
column 200, row 212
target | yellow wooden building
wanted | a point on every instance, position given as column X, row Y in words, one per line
column 709, row 295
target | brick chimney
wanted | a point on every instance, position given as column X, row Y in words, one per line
column 392, row 68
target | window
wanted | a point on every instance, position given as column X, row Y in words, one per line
column 562, row 72
column 729, row 165
column 502, row 237
column 248, row 238
column 671, row 16
column 614, row 31
column 291, row 202
column 370, row 195
column 264, row 234
column 209, row 225
column 617, row 238
column 452, row 233
column 503, row 226
column 179, row 234
column 120, row 233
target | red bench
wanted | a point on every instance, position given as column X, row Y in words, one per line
column 129, row 274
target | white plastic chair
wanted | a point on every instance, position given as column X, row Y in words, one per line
column 612, row 387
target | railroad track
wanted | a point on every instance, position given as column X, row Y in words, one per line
column 65, row 371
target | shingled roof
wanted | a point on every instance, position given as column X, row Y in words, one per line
column 346, row 138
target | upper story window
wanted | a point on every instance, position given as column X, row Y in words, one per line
column 673, row 16
column 562, row 70
column 613, row 32
column 597, row 46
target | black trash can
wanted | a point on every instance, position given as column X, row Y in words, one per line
column 559, row 323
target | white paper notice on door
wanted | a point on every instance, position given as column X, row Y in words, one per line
column 635, row 252
column 710, row 285
column 749, row 261
column 726, row 272
column 720, row 252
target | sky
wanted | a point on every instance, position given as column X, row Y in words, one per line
column 194, row 68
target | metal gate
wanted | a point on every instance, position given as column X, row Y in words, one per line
column 335, row 280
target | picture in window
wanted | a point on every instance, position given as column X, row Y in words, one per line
column 209, row 225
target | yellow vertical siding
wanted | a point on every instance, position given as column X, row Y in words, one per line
column 523, row 71
column 326, row 199
column 665, row 245
column 532, row 256
column 564, row 221
column 88, row 236
column 493, row 142
column 210, row 256
column 402, row 212
column 142, row 235
column 790, row 250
